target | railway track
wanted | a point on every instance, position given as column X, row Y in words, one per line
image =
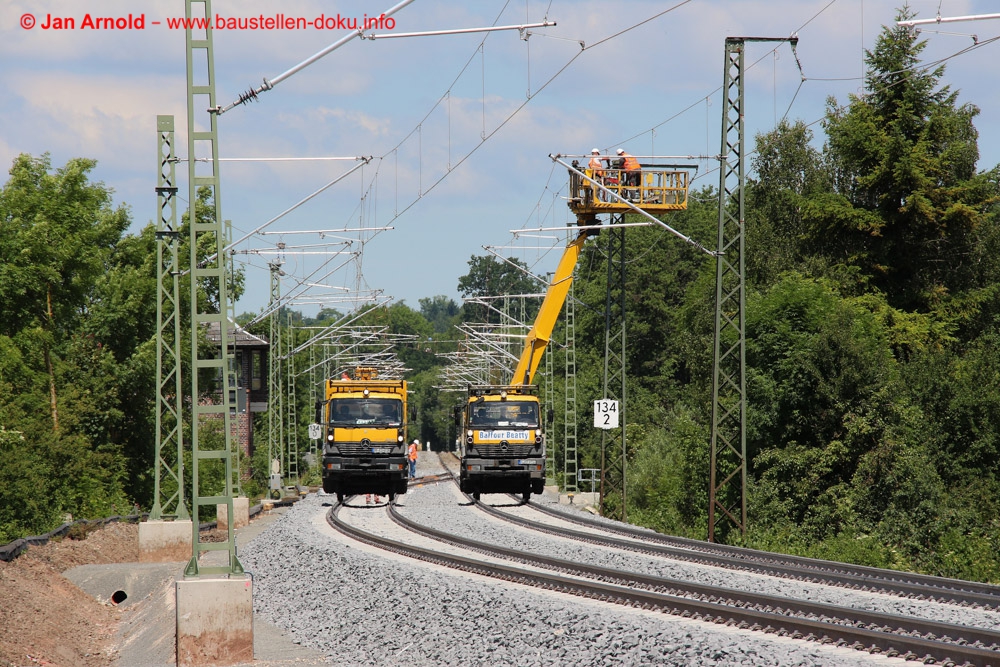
column 891, row 635
column 854, row 577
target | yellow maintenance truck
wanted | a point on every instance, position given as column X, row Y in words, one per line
column 364, row 424
column 502, row 440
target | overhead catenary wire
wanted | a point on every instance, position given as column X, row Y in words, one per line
column 252, row 94
column 485, row 135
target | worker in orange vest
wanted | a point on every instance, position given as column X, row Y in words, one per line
column 631, row 171
column 411, row 457
column 596, row 165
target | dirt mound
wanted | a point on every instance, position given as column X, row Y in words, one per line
column 47, row 620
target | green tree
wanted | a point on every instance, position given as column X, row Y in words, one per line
column 788, row 171
column 908, row 205
column 58, row 230
column 442, row 312
column 59, row 236
column 489, row 277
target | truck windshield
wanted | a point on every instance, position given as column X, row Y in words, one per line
column 366, row 412
column 507, row 413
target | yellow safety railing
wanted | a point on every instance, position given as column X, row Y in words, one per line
column 650, row 189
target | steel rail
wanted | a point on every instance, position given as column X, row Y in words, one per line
column 906, row 584
column 722, row 606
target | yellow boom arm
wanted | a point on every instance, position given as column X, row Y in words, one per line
column 555, row 297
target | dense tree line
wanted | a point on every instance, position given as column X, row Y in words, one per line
column 77, row 348
column 872, row 321
column 873, row 317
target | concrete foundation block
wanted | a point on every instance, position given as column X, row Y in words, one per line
column 165, row 541
column 214, row 621
column 241, row 514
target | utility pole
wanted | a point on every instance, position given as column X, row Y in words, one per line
column 613, row 441
column 169, row 454
column 292, row 440
column 213, row 455
column 728, row 469
column 570, row 460
column 275, row 442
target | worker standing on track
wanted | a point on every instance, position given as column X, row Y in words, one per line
column 411, row 457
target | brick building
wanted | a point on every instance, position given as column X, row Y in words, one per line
column 251, row 379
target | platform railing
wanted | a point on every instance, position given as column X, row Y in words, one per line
column 649, row 188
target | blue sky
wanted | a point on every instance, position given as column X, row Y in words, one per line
column 421, row 107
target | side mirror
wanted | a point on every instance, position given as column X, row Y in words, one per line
column 550, row 416
column 319, row 412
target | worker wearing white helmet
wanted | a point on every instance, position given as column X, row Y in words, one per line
column 631, row 170
column 597, row 164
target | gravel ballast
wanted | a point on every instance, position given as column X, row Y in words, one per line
column 363, row 607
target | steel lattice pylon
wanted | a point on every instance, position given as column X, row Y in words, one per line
column 614, row 442
column 292, row 441
column 569, row 423
column 169, row 445
column 229, row 269
column 314, row 394
column 550, row 399
column 727, row 484
column 209, row 235
column 275, row 446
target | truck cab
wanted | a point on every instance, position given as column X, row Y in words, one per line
column 364, row 435
column 502, row 443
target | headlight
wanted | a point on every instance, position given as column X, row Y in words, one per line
column 330, row 437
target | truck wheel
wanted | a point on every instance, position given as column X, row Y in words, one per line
column 526, row 496
column 340, row 496
column 475, row 494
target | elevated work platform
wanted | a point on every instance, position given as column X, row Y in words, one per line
column 651, row 189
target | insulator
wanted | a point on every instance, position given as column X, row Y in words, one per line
column 249, row 96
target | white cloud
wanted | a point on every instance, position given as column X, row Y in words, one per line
column 96, row 94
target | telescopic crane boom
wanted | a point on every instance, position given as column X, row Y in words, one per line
column 541, row 332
